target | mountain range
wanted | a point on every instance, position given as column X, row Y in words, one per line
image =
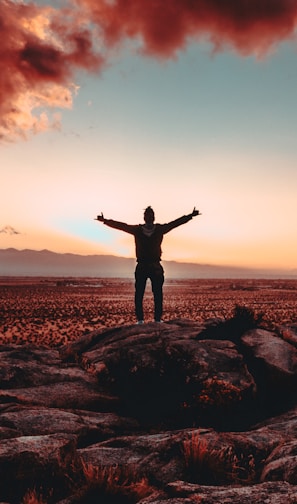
column 28, row 262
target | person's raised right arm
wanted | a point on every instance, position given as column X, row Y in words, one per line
column 122, row 226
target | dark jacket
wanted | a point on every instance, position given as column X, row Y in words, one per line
column 148, row 248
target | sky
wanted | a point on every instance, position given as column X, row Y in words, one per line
column 113, row 105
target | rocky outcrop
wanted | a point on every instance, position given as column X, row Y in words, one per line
column 180, row 492
column 177, row 412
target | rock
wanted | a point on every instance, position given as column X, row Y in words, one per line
column 148, row 455
column 31, row 375
column 281, row 465
column 285, row 424
column 86, row 426
column 26, row 460
column 289, row 333
column 28, row 365
column 273, row 364
column 266, row 493
column 150, row 414
column 81, row 394
column 279, row 358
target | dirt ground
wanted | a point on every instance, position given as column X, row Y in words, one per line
column 51, row 311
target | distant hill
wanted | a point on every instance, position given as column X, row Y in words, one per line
column 27, row 262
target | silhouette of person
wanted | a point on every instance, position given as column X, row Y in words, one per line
column 148, row 238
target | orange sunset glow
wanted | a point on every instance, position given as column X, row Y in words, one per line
column 113, row 106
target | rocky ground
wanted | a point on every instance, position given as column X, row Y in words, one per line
column 180, row 412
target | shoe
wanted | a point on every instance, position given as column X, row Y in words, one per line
column 139, row 322
column 159, row 321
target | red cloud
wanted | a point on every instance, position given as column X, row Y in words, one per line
column 42, row 48
column 165, row 26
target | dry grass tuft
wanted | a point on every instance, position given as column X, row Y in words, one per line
column 217, row 465
column 32, row 497
column 116, row 481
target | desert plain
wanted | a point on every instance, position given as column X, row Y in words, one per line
column 54, row 311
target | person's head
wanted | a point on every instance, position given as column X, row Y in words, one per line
column 149, row 215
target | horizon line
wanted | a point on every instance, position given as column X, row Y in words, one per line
column 265, row 270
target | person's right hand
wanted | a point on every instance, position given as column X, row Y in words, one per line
column 100, row 217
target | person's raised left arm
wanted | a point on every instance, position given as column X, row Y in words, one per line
column 180, row 221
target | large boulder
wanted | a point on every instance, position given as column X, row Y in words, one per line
column 164, row 372
column 273, row 364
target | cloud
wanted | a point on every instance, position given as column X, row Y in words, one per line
column 9, row 230
column 43, row 48
column 166, row 26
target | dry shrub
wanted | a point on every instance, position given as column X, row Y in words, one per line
column 215, row 466
column 122, row 483
column 219, row 393
column 242, row 320
column 32, row 497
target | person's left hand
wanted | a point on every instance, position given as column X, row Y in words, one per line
column 195, row 212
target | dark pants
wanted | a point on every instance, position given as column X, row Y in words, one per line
column 155, row 272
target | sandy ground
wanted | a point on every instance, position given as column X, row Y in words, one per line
column 52, row 311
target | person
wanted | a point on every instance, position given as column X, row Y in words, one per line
column 148, row 238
